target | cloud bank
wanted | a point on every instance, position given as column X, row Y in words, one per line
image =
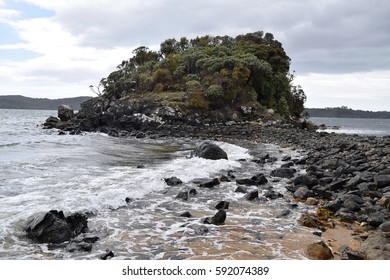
column 75, row 43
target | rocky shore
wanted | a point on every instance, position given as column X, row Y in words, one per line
column 347, row 177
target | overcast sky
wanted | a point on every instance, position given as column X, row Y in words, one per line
column 340, row 49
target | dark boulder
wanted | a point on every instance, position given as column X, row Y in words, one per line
column 376, row 219
column 108, row 255
column 182, row 195
column 256, row 180
column 382, row 181
column 305, row 180
column 323, row 192
column 82, row 242
column 336, row 185
column 217, row 219
column 51, row 122
column 349, row 254
column 241, row 189
column 209, row 150
column 252, row 195
column 210, row 184
column 186, row 214
column 303, row 193
column 287, row 173
column 65, row 113
column 173, row 181
column 54, row 227
column 222, row 205
column 271, row 194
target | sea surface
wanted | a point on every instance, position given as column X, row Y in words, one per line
column 374, row 127
column 93, row 173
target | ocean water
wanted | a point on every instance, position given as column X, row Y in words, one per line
column 42, row 170
column 374, row 127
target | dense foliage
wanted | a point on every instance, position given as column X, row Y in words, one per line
column 213, row 72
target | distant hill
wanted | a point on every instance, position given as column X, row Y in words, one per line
column 22, row 102
column 344, row 112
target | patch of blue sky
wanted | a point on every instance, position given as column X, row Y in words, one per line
column 17, row 55
column 8, row 35
column 28, row 10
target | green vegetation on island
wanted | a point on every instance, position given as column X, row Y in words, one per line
column 209, row 73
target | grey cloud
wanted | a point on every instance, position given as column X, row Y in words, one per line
column 320, row 36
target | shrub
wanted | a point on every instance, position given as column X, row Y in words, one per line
column 162, row 76
column 198, row 101
column 193, row 86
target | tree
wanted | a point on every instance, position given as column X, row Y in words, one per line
column 142, row 55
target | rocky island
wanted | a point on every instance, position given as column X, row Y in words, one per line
column 240, row 90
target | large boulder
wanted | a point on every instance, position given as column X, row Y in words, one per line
column 54, row 227
column 65, row 112
column 209, row 150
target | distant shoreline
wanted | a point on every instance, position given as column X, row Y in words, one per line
column 22, row 102
column 344, row 112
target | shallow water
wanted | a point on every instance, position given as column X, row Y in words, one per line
column 94, row 173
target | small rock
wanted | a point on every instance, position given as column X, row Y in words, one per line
column 182, row 195
column 382, row 181
column 303, row 193
column 319, row 251
column 305, row 180
column 385, row 201
column 271, row 194
column 186, row 214
column 311, row 201
column 202, row 230
column 241, row 189
column 193, row 192
column 217, row 219
column 173, row 181
column 210, row 184
column 222, row 205
column 385, row 227
column 140, row 135
column 286, row 158
column 283, row 213
column 252, row 195
column 287, row 173
column 352, row 255
column 108, row 255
